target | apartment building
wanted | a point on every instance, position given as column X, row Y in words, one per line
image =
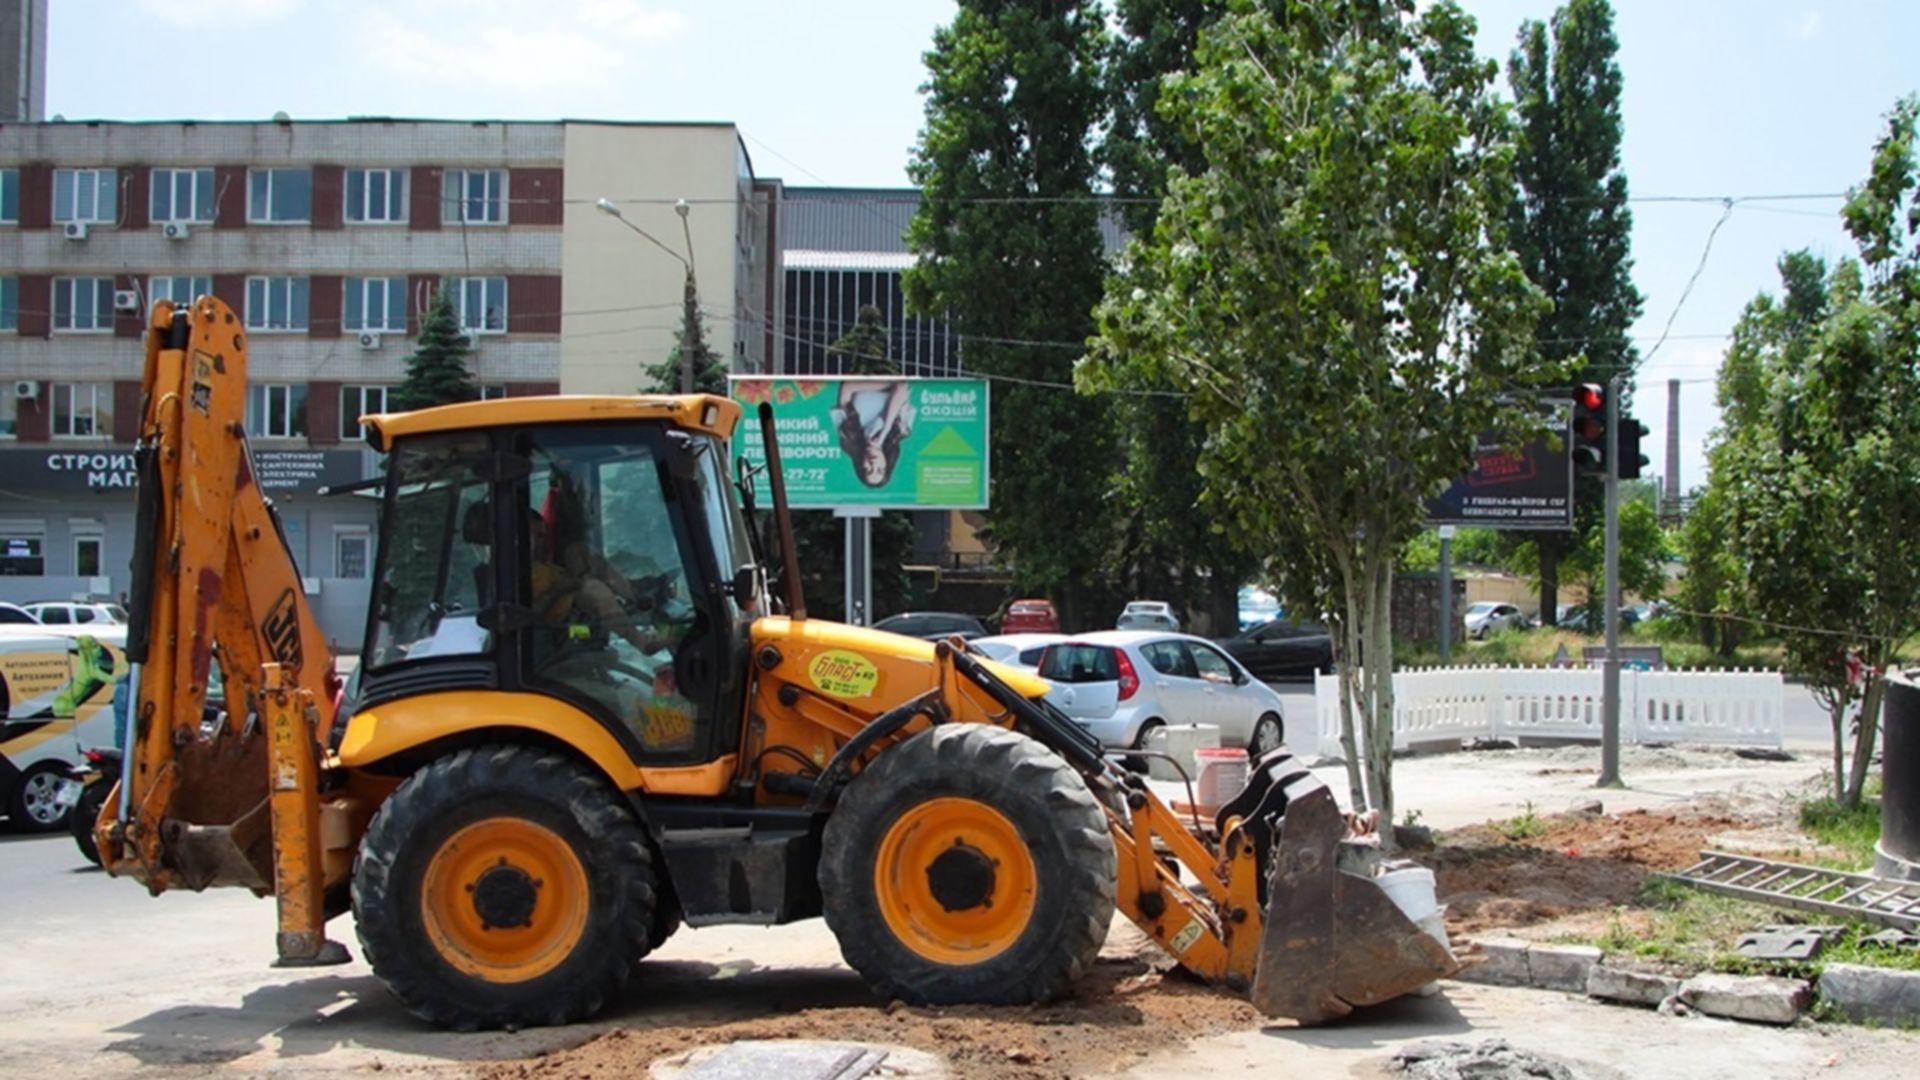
column 331, row 238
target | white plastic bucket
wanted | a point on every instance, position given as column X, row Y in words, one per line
column 1411, row 890
column 1222, row 774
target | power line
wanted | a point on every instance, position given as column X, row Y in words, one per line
column 1726, row 212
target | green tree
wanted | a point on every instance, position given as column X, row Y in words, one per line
column 1170, row 543
column 1571, row 227
column 1824, row 493
column 437, row 372
column 1009, row 247
column 1334, row 293
column 709, row 372
column 863, row 349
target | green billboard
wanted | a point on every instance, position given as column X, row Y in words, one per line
column 873, row 441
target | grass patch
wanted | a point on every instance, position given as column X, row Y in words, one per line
column 1524, row 827
column 1536, row 648
column 1850, row 831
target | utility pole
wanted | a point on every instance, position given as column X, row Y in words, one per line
column 1446, row 594
column 859, row 562
column 1610, row 674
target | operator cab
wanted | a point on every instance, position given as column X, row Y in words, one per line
column 597, row 562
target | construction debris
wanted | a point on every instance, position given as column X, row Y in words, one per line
column 1491, row 1059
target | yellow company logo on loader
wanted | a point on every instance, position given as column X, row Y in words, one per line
column 844, row 673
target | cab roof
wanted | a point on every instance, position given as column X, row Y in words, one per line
column 695, row 412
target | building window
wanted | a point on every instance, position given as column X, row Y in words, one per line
column 182, row 289
column 10, row 196
column 9, row 422
column 85, row 195
column 182, row 195
column 351, row 546
column 276, row 411
column 280, row 196
column 376, row 304
column 277, row 303
column 9, row 303
column 356, row 402
column 474, row 197
column 376, row 196
column 492, row 391
column 86, row 555
column 483, row 304
column 81, row 410
column 83, row 304
column 22, row 555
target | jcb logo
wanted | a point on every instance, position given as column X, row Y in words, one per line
column 282, row 630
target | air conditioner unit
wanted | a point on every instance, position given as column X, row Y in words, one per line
column 76, row 230
column 176, row 230
column 126, row 300
column 369, row 341
column 26, row 389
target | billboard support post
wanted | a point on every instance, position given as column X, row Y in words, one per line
column 1446, row 594
column 858, row 562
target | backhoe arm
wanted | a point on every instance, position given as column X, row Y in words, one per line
column 232, row 802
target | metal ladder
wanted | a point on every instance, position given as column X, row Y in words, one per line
column 1817, row 889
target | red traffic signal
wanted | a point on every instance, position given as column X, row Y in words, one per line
column 1590, row 428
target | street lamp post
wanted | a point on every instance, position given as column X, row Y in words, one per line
column 690, row 301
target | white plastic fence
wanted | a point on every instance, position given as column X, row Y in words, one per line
column 1724, row 708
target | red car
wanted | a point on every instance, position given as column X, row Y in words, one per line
column 1031, row 617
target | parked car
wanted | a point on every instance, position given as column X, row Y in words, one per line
column 56, row 695
column 932, row 625
column 1031, row 616
column 1278, row 649
column 66, row 613
column 1148, row 615
column 1489, row 617
column 1121, row 685
column 1585, row 620
column 1016, row 650
column 15, row 615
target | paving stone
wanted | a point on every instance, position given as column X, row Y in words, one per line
column 1761, row 999
column 1503, row 963
column 1562, row 967
column 1863, row 993
column 1633, row 987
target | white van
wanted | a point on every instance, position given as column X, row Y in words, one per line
column 56, row 700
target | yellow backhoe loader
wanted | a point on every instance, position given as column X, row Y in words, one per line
column 579, row 723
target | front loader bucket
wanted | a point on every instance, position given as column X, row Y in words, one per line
column 1332, row 938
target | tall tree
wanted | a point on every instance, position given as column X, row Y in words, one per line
column 1009, row 246
column 1334, row 294
column 1826, row 495
column 437, row 372
column 1170, row 544
column 863, row 349
column 1571, row 225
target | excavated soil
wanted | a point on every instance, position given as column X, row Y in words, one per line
column 1576, row 864
column 1127, row 1008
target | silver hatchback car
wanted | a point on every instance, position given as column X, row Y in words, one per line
column 1122, row 684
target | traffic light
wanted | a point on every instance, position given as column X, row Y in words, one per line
column 1590, row 428
column 1627, row 456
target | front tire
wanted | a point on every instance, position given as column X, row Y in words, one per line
column 503, row 886
column 1268, row 733
column 33, row 809
column 968, row 865
column 85, row 814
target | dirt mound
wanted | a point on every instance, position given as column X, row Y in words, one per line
column 1125, row 1010
column 1575, row 864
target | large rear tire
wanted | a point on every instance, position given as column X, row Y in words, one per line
column 968, row 864
column 503, row 886
column 85, row 814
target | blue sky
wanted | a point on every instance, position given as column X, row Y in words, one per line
column 1723, row 98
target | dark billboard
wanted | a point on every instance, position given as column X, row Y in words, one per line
column 1530, row 489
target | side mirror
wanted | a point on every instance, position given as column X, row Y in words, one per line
column 747, row 585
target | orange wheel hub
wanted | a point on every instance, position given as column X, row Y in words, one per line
column 505, row 900
column 955, row 881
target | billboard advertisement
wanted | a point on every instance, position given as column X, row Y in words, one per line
column 1530, row 489
column 910, row 444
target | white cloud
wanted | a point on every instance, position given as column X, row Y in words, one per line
column 511, row 45
column 1809, row 25
column 213, row 14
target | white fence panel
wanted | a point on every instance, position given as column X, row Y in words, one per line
column 1440, row 705
column 1723, row 708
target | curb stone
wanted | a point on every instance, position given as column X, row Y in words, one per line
column 1762, row 999
column 1861, row 993
column 1631, row 987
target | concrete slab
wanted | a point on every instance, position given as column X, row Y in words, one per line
column 1881, row 995
column 1759, row 999
column 1630, row 987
